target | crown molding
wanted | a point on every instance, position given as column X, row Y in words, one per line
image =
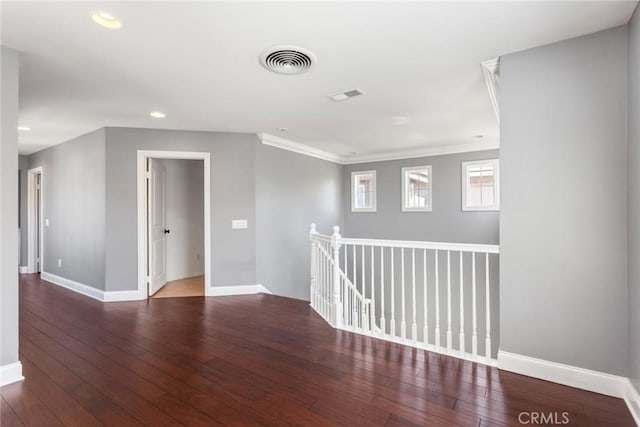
column 491, row 72
column 296, row 147
column 435, row 150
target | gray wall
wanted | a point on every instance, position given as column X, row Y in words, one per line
column 563, row 230
column 74, row 203
column 446, row 223
column 292, row 191
column 23, row 166
column 634, row 198
column 233, row 197
column 9, row 207
column 184, row 202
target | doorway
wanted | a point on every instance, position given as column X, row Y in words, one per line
column 173, row 224
column 35, row 234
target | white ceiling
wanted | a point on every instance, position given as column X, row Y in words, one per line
column 198, row 62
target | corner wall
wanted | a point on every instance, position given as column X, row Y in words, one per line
column 10, row 369
column 563, row 225
column 634, row 199
column 292, row 191
column 73, row 191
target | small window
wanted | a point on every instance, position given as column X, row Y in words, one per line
column 363, row 191
column 416, row 189
column 481, row 185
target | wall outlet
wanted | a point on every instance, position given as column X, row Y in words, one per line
column 59, row 263
column 239, row 223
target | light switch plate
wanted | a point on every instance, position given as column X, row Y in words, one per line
column 46, row 222
column 239, row 223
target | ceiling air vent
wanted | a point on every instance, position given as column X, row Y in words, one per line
column 288, row 59
column 346, row 94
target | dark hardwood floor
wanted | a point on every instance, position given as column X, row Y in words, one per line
column 251, row 360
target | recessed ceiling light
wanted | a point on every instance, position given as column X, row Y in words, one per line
column 157, row 115
column 478, row 136
column 24, row 128
column 106, row 20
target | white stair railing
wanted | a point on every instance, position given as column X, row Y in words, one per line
column 343, row 306
column 414, row 293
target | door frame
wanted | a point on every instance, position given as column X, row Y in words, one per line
column 142, row 156
column 33, row 220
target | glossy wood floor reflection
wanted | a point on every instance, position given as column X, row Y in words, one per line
column 251, row 360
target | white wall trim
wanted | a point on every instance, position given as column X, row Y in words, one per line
column 33, row 219
column 113, row 296
column 142, row 156
column 90, row 291
column 491, row 72
column 585, row 379
column 218, row 291
column 632, row 399
column 427, row 151
column 134, row 295
column 11, row 373
column 23, row 269
column 72, row 285
column 296, row 147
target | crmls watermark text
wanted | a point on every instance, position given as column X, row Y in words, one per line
column 544, row 418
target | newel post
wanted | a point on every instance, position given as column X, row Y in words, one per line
column 314, row 253
column 337, row 303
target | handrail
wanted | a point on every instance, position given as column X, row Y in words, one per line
column 321, row 237
column 410, row 244
column 413, row 244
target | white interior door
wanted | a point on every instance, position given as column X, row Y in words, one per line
column 157, row 227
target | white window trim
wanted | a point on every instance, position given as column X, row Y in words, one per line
column 353, row 191
column 496, row 167
column 429, row 206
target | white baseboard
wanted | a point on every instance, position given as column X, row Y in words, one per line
column 10, row 373
column 73, row 285
column 632, row 399
column 585, row 379
column 23, row 269
column 100, row 295
column 218, row 291
column 113, row 296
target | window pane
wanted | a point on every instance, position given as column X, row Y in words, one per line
column 487, row 196
column 474, row 196
column 481, row 191
column 417, row 188
column 364, row 191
